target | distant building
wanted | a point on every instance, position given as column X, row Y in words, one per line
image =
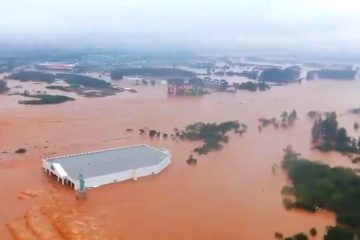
column 56, row 66
column 179, row 86
column 220, row 85
column 102, row 167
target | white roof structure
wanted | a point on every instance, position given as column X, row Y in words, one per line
column 109, row 165
column 59, row 170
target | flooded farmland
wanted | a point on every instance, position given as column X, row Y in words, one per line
column 230, row 194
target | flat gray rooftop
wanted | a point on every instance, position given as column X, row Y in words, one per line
column 105, row 162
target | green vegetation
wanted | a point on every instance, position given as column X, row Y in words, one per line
column 252, row 86
column 213, row 135
column 46, row 99
column 152, row 133
column 288, row 190
column 72, row 79
column 25, row 76
column 287, row 119
column 327, row 136
column 85, row 81
column 298, row 236
column 319, row 186
column 3, row 86
column 150, row 72
column 191, row 160
column 267, row 121
column 314, row 114
column 277, row 75
column 338, row 74
column 339, row 233
column 61, row 88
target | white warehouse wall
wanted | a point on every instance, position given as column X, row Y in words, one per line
column 125, row 175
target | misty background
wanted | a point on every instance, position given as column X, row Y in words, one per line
column 323, row 26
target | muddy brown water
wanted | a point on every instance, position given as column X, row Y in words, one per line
column 230, row 194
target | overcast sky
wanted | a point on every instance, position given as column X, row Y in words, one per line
column 301, row 24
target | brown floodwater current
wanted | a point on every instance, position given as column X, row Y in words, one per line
column 230, row 194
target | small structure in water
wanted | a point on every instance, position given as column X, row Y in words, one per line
column 179, row 86
column 107, row 166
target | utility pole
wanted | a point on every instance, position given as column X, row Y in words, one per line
column 81, row 192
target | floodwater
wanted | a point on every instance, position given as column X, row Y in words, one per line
column 229, row 194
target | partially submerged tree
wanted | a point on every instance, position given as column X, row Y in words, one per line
column 326, row 135
column 3, row 86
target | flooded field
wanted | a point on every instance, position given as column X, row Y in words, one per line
column 229, row 194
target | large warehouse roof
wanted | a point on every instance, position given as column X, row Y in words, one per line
column 109, row 161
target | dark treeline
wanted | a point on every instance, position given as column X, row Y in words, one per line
column 150, row 72
column 327, row 135
column 318, row 186
column 25, row 76
column 42, row 99
column 72, row 79
column 85, row 81
column 278, row 75
column 252, row 86
column 339, row 74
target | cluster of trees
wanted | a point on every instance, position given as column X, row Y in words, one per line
column 213, row 135
column 3, row 86
column 150, row 72
column 42, row 99
column 332, row 233
column 153, row 133
column 339, row 233
column 314, row 114
column 338, row 74
column 318, row 186
column 191, row 160
column 287, row 119
column 264, row 122
column 252, row 86
column 327, row 136
column 278, row 75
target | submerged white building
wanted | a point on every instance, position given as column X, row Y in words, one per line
column 107, row 166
